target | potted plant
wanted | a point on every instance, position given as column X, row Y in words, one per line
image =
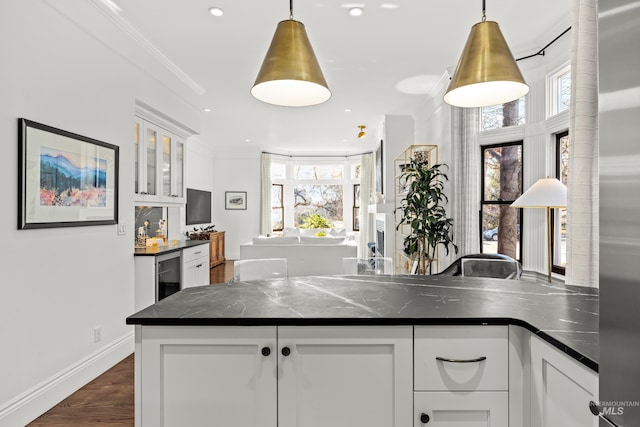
column 316, row 221
column 422, row 209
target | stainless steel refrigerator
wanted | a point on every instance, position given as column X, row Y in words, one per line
column 619, row 122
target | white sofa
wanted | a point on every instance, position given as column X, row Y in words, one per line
column 306, row 255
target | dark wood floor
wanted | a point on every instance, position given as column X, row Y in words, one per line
column 108, row 400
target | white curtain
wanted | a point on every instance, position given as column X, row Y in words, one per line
column 582, row 185
column 367, row 185
column 465, row 177
column 265, row 190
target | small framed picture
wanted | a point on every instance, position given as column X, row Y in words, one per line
column 235, row 200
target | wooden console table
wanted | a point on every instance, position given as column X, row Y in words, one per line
column 216, row 250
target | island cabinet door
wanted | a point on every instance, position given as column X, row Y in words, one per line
column 561, row 388
column 345, row 376
column 207, row 376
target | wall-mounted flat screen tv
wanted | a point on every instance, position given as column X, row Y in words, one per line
column 198, row 206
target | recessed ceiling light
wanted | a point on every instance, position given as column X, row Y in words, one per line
column 216, row 11
column 206, row 110
column 389, row 6
column 247, row 140
column 355, row 11
column 347, row 110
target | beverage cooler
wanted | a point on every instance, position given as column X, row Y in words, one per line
column 168, row 274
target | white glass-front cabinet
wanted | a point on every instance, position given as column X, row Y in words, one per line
column 159, row 165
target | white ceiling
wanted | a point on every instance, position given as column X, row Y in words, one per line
column 365, row 59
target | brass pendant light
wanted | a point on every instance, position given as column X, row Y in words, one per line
column 290, row 74
column 362, row 133
column 487, row 73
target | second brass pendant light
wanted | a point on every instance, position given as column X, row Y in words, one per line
column 487, row 73
column 290, row 74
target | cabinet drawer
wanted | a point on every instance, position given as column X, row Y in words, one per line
column 194, row 253
column 460, row 409
column 461, row 358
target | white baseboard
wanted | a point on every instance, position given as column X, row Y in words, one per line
column 34, row 402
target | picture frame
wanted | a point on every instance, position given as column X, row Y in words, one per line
column 65, row 179
column 235, row 200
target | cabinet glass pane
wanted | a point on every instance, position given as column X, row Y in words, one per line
column 136, row 138
column 179, row 171
column 151, row 161
column 166, row 165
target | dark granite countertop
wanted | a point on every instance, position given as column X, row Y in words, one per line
column 565, row 316
column 171, row 247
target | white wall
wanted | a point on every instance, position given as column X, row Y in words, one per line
column 237, row 169
column 60, row 283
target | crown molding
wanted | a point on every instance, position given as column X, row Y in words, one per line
column 125, row 26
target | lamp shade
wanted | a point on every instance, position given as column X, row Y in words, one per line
column 487, row 73
column 290, row 74
column 545, row 193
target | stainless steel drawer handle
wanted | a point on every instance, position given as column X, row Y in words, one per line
column 196, row 253
column 444, row 359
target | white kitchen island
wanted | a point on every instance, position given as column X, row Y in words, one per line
column 368, row 351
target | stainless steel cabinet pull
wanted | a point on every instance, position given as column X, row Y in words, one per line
column 444, row 359
column 196, row 253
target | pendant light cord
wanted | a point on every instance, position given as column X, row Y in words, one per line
column 484, row 10
column 290, row 9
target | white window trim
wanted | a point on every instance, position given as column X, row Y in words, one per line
column 552, row 89
column 347, row 182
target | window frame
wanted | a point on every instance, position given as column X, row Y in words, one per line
column 356, row 206
column 556, row 268
column 281, row 207
column 348, row 163
column 484, row 202
column 553, row 91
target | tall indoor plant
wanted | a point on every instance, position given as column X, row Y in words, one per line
column 422, row 209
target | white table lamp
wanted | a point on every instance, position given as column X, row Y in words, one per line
column 547, row 193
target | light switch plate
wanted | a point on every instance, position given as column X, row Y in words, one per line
column 122, row 228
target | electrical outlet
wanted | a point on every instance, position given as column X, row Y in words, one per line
column 122, row 228
column 97, row 334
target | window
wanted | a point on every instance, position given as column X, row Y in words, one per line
column 501, row 186
column 314, row 186
column 356, row 206
column 503, row 115
column 277, row 207
column 559, row 219
column 559, row 90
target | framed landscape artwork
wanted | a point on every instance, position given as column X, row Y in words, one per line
column 235, row 200
column 65, row 180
